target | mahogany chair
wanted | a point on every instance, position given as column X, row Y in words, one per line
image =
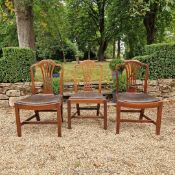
column 87, row 95
column 44, row 102
column 136, row 96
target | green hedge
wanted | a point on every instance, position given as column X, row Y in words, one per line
column 161, row 60
column 15, row 64
column 151, row 49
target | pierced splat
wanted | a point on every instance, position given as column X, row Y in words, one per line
column 47, row 71
column 132, row 72
column 47, row 67
column 135, row 71
column 87, row 68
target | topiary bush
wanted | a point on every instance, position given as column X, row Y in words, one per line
column 161, row 60
column 15, row 64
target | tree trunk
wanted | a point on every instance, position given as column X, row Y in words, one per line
column 62, row 46
column 24, row 22
column 114, row 48
column 101, row 50
column 77, row 59
column 118, row 48
column 102, row 39
column 64, row 57
column 89, row 54
column 149, row 22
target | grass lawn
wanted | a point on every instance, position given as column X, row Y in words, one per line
column 69, row 68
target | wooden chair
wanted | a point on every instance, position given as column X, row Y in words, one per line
column 44, row 102
column 87, row 95
column 135, row 99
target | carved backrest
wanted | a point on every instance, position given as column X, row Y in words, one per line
column 136, row 76
column 46, row 69
column 87, row 69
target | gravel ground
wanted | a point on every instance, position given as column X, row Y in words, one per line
column 88, row 149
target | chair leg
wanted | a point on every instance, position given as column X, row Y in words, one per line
column 62, row 112
column 69, row 113
column 18, row 123
column 37, row 115
column 59, row 120
column 141, row 114
column 78, row 109
column 105, row 114
column 118, row 110
column 159, row 116
column 98, row 109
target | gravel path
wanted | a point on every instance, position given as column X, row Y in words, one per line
column 87, row 149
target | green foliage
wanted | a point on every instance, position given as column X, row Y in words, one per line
column 161, row 60
column 70, row 27
column 55, row 85
column 114, row 62
column 52, row 28
column 150, row 49
column 121, row 74
column 15, row 64
column 8, row 33
column 57, row 69
column 122, row 82
column 56, row 80
column 82, row 16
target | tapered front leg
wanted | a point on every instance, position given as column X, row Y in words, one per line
column 59, row 120
column 62, row 112
column 105, row 114
column 69, row 113
column 18, row 123
column 118, row 110
column 159, row 117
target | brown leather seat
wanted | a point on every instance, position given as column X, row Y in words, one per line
column 131, row 97
column 40, row 99
column 87, row 95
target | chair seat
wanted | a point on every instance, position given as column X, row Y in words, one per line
column 131, row 97
column 87, row 95
column 40, row 99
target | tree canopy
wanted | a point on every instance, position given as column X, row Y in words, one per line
column 67, row 29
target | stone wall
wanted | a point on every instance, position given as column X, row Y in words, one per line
column 9, row 92
column 163, row 88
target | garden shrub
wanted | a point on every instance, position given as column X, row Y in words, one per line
column 161, row 60
column 15, row 64
column 56, row 85
column 56, row 78
column 121, row 82
column 114, row 62
column 122, row 76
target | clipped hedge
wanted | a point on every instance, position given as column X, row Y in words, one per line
column 15, row 64
column 153, row 48
column 161, row 60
